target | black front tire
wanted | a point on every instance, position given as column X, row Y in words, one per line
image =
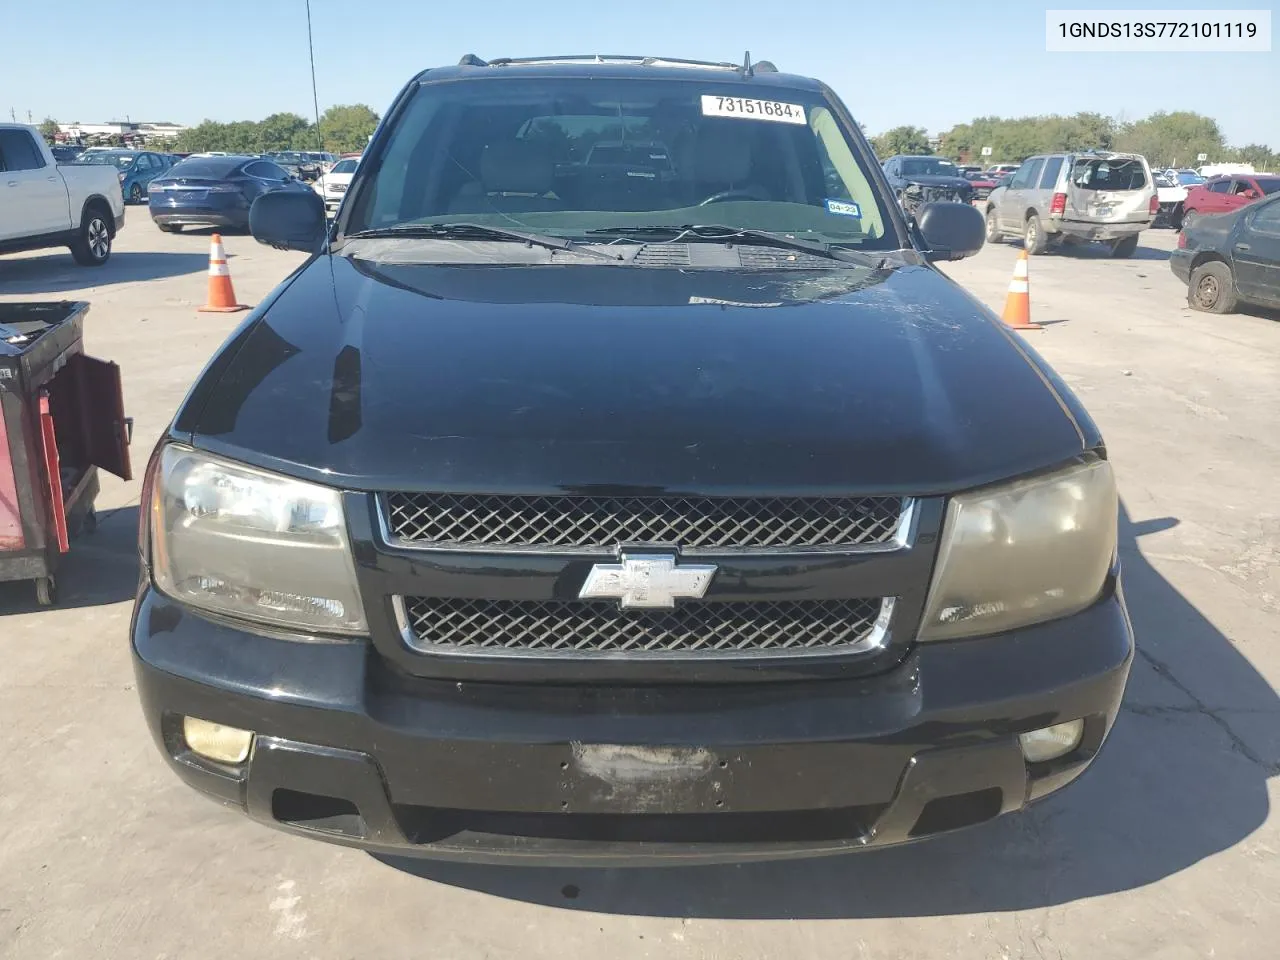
column 1212, row 288
column 92, row 246
column 135, row 194
column 1124, row 248
column 1034, row 239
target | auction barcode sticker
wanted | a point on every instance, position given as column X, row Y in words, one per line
column 715, row 106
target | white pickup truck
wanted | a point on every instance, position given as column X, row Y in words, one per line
column 43, row 204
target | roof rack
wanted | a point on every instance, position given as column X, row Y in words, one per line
column 764, row 66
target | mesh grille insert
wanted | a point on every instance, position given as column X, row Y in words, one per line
column 706, row 522
column 576, row 628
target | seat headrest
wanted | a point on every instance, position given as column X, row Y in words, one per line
column 722, row 152
column 516, row 166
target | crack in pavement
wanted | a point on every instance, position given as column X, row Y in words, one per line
column 1199, row 707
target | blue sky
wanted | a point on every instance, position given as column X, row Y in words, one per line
column 929, row 63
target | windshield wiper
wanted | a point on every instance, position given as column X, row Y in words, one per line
column 765, row 238
column 477, row 231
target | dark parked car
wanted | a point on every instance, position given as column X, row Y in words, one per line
column 304, row 166
column 65, row 154
column 551, row 512
column 1227, row 193
column 214, row 191
column 920, row 180
column 1227, row 259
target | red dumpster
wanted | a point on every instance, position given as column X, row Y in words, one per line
column 61, row 418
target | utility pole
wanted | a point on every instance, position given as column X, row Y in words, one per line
column 28, row 118
column 13, row 115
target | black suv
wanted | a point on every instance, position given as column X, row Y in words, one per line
column 919, row 180
column 675, row 507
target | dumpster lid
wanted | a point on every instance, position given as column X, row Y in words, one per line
column 23, row 324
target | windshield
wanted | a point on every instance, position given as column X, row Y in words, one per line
column 565, row 156
column 121, row 160
column 928, row 166
column 344, row 166
column 1189, row 178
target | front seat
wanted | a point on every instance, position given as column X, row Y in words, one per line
column 516, row 176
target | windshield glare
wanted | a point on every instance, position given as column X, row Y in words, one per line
column 567, row 156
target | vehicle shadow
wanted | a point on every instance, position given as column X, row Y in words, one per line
column 100, row 568
column 1098, row 251
column 1174, row 785
column 56, row 272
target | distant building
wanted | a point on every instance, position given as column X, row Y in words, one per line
column 160, row 130
column 95, row 131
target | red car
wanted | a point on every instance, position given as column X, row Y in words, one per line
column 1227, row 193
column 982, row 183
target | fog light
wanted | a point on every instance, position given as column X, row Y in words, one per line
column 213, row 741
column 1050, row 743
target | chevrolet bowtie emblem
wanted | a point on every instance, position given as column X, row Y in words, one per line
column 647, row 580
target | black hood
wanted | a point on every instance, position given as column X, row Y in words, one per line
column 938, row 180
column 543, row 378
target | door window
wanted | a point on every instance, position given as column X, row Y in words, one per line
column 1027, row 174
column 1220, row 186
column 1052, row 167
column 1240, row 187
column 18, row 151
column 265, row 170
column 1267, row 220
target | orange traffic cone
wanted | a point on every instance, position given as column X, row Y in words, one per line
column 222, row 297
column 1017, row 306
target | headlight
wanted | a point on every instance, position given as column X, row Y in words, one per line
column 240, row 541
column 1023, row 552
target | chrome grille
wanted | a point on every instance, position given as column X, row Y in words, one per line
column 576, row 628
column 604, row 522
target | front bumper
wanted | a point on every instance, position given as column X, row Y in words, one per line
column 352, row 751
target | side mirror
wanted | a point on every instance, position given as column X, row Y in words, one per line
column 288, row 220
column 951, row 231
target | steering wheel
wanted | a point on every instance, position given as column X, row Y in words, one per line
column 732, row 195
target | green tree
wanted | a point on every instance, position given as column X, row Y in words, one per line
column 205, row 136
column 904, row 140
column 1262, row 157
column 49, row 129
column 347, row 128
column 283, row 131
column 1166, row 139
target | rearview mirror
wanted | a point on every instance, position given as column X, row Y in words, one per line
column 288, row 220
column 951, row 231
